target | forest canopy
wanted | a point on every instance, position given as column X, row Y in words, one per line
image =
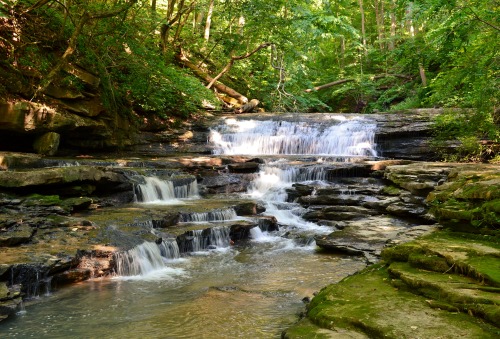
column 172, row 58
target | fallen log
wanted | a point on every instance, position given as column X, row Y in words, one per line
column 248, row 107
column 204, row 76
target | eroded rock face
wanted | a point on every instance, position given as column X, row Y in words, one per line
column 47, row 144
column 25, row 120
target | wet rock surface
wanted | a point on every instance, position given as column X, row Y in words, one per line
column 62, row 225
column 430, row 281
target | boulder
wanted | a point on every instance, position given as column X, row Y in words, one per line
column 243, row 167
column 248, row 208
column 47, row 144
column 370, row 235
column 10, row 299
column 15, row 235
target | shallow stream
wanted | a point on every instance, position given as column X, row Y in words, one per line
column 248, row 291
column 253, row 289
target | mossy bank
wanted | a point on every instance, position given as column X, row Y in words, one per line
column 442, row 285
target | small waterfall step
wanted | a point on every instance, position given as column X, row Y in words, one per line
column 215, row 215
column 146, row 257
column 200, row 240
column 155, row 189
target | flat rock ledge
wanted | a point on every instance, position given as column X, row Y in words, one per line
column 443, row 284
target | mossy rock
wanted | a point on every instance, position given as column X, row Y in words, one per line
column 367, row 303
column 402, row 252
column 392, row 190
column 42, row 200
column 430, row 262
column 455, row 290
column 472, row 198
column 305, row 329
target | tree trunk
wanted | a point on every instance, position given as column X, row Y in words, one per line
column 209, row 20
column 330, row 84
column 343, row 81
column 234, row 58
column 392, row 42
column 204, row 76
column 64, row 59
column 379, row 17
column 248, row 107
column 421, row 70
column 84, row 19
column 363, row 33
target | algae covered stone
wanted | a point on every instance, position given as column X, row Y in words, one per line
column 47, row 144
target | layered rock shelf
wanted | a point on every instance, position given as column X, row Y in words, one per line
column 442, row 284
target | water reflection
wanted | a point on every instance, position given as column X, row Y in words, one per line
column 247, row 291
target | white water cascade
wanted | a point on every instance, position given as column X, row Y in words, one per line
column 146, row 258
column 214, row 215
column 270, row 187
column 156, row 190
column 340, row 137
column 201, row 240
column 330, row 136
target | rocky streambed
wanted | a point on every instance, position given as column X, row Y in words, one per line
column 433, row 225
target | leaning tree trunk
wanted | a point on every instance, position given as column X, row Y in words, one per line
column 234, row 58
column 204, row 76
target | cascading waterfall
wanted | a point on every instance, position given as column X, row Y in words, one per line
column 353, row 137
column 334, row 136
column 200, row 240
column 145, row 258
column 156, row 190
column 219, row 237
column 214, row 215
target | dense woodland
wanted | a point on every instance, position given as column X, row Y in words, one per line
column 171, row 59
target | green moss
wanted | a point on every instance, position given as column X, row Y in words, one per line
column 429, row 262
column 306, row 329
column 402, row 252
column 368, row 303
column 453, row 290
column 469, row 198
column 42, row 200
column 391, row 190
column 487, row 267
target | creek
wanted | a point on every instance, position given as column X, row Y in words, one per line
column 209, row 287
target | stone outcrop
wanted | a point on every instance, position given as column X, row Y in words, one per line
column 48, row 177
column 440, row 286
column 440, row 283
column 30, row 121
column 47, row 144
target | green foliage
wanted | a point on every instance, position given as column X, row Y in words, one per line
column 467, row 127
column 454, row 44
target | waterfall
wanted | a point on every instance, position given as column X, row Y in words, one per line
column 353, row 137
column 275, row 175
column 200, row 240
column 145, row 258
column 156, row 190
column 219, row 237
column 214, row 215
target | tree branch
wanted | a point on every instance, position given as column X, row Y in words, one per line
column 343, row 81
column 481, row 20
column 84, row 19
column 234, row 58
column 183, row 60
